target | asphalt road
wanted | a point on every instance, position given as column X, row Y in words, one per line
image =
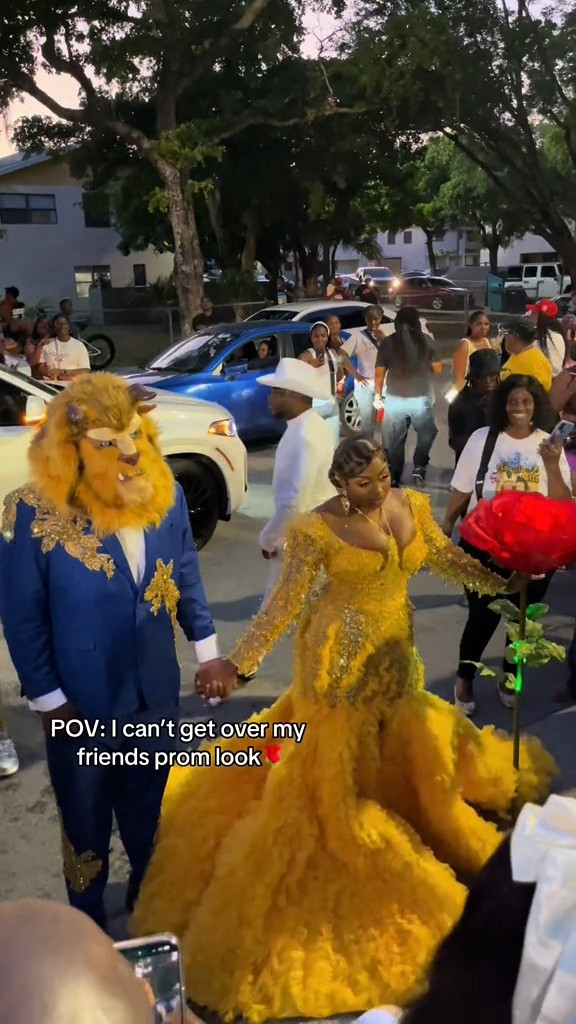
column 235, row 576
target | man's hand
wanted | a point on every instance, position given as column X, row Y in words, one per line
column 65, row 713
column 216, row 678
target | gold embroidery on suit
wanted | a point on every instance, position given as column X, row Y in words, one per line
column 80, row 870
column 53, row 527
column 162, row 592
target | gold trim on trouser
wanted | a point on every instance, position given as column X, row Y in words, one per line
column 80, row 870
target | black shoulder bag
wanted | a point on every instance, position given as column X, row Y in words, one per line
column 487, row 453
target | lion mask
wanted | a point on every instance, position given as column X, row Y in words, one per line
column 97, row 454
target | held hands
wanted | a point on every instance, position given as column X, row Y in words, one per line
column 517, row 581
column 216, row 678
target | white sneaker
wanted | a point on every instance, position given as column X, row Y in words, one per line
column 467, row 707
column 9, row 763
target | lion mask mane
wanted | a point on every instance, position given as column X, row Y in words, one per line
column 81, row 476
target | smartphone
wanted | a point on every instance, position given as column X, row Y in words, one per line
column 157, row 961
column 562, row 431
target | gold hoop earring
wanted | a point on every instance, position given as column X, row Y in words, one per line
column 346, row 504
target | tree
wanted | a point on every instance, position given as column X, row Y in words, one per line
column 271, row 191
column 412, row 196
column 493, row 81
column 135, row 59
column 469, row 198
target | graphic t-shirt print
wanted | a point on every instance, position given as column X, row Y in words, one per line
column 516, row 472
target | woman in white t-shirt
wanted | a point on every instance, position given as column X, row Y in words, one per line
column 63, row 357
column 512, row 453
column 333, row 364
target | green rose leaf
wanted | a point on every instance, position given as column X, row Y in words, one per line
column 506, row 609
column 537, row 611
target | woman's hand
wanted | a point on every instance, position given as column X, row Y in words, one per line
column 550, row 452
column 360, row 379
column 448, row 528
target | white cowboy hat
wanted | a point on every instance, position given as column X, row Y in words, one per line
column 296, row 375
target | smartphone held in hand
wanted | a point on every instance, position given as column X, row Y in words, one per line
column 562, row 432
column 157, row 962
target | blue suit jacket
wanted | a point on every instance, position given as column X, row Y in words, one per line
column 97, row 638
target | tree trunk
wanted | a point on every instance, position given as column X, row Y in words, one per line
column 309, row 267
column 249, row 250
column 213, row 206
column 188, row 258
column 430, row 249
column 493, row 250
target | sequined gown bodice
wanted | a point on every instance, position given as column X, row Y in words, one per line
column 354, row 641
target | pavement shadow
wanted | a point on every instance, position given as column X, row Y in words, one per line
column 236, row 611
column 26, row 732
column 422, row 602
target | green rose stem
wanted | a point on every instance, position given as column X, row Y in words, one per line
column 520, row 662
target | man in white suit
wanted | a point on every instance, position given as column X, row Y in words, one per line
column 304, row 455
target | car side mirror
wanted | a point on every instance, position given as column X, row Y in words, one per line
column 35, row 411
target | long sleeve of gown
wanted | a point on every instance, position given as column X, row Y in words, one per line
column 301, row 561
column 446, row 559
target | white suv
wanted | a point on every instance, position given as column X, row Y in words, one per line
column 198, row 439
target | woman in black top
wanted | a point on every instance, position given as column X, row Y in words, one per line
column 468, row 412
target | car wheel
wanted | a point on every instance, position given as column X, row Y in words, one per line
column 398, row 301
column 437, row 303
column 350, row 420
column 201, row 493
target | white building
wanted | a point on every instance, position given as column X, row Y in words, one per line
column 57, row 240
column 407, row 250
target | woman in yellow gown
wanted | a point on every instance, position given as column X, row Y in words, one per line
column 323, row 883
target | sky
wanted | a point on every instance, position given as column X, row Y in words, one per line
column 65, row 90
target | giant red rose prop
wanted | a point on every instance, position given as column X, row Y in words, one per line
column 525, row 533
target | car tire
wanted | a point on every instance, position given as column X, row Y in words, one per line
column 350, row 422
column 201, row 493
column 437, row 303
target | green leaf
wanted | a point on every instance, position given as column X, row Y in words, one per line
column 483, row 669
column 537, row 611
column 505, row 608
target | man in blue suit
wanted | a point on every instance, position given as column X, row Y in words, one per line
column 97, row 568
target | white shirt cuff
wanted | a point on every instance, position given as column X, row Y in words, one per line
column 207, row 649
column 49, row 701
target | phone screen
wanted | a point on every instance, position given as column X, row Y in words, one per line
column 156, row 961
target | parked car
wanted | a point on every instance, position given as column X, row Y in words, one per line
column 222, row 364
column 384, row 278
column 539, row 280
column 199, row 440
column 351, row 316
column 430, row 293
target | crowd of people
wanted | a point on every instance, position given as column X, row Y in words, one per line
column 391, row 791
column 46, row 348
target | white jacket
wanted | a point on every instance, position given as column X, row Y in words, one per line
column 300, row 482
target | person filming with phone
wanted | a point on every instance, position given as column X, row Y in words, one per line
column 515, row 452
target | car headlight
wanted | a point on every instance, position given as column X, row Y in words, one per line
column 224, row 428
column 395, row 283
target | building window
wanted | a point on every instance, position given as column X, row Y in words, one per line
column 391, row 238
column 86, row 277
column 407, row 238
column 23, row 208
column 140, row 275
column 96, row 207
column 472, row 259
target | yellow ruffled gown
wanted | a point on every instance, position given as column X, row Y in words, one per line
column 322, row 884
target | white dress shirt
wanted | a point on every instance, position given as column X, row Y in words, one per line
column 300, row 482
column 365, row 351
column 134, row 547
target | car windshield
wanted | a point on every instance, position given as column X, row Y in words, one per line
column 194, row 354
column 274, row 314
column 379, row 273
column 38, row 384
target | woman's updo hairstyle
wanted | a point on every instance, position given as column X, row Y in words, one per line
column 352, row 458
